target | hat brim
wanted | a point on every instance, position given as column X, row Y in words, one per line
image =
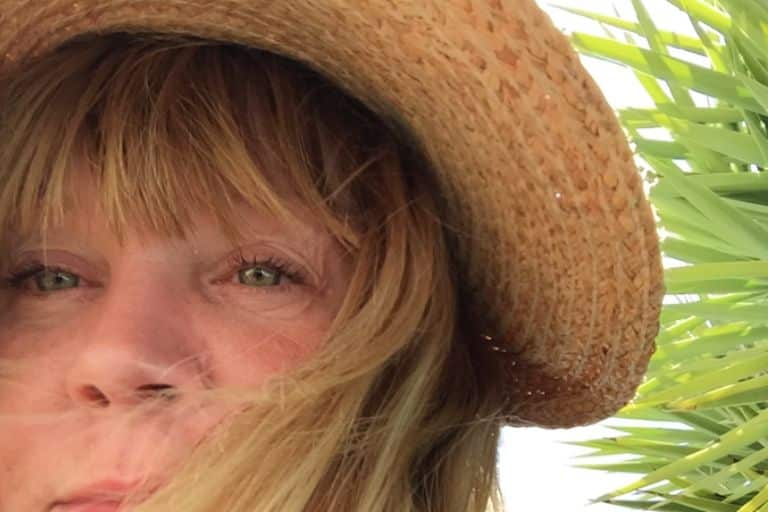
column 555, row 237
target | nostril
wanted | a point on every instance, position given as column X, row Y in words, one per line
column 161, row 391
column 95, row 397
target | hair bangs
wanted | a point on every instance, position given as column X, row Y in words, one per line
column 163, row 134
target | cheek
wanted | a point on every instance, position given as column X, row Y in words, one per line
column 246, row 349
column 21, row 463
column 31, row 430
column 31, row 368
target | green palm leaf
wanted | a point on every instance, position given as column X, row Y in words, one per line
column 702, row 441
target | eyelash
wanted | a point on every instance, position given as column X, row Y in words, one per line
column 15, row 278
column 238, row 262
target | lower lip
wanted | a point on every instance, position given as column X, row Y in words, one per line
column 100, row 506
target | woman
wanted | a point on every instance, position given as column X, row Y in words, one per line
column 235, row 282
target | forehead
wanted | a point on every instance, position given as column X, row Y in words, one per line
column 83, row 215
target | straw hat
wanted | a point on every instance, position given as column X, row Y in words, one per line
column 557, row 242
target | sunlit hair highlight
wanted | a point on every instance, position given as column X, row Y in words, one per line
column 391, row 413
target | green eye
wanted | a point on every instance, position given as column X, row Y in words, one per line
column 260, row 276
column 52, row 280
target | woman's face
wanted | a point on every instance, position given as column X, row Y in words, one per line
column 103, row 326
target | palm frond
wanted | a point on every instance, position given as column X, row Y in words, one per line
column 702, row 444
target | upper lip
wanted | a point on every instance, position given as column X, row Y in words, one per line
column 109, row 490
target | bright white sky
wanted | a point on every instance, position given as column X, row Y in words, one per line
column 536, row 468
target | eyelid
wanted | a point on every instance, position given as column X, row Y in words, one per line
column 86, row 270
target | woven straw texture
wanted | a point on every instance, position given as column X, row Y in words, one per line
column 557, row 239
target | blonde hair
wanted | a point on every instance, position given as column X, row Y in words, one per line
column 391, row 413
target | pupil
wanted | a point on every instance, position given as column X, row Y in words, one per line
column 54, row 281
column 259, row 276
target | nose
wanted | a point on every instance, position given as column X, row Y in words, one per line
column 135, row 344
